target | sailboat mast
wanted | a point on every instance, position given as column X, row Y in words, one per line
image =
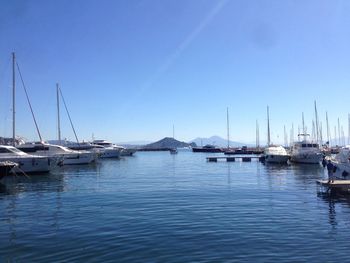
column 257, row 135
column 348, row 128
column 285, row 136
column 268, row 127
column 317, row 124
column 328, row 136
column 13, row 99
column 339, row 132
column 58, row 114
column 228, row 129
column 304, row 132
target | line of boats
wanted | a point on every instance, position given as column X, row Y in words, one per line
column 41, row 157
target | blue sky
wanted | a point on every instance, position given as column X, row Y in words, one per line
column 129, row 70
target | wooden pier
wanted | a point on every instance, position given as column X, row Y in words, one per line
column 336, row 185
column 233, row 159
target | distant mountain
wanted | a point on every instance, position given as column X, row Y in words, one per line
column 167, row 142
column 218, row 141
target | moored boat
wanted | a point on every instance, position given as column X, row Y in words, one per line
column 305, row 151
column 27, row 163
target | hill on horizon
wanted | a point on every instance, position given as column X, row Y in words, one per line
column 218, row 141
column 167, row 142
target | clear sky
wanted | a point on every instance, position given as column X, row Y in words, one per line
column 130, row 69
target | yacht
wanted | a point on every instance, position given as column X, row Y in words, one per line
column 107, row 149
column 272, row 153
column 305, row 151
column 342, row 163
column 276, row 154
column 60, row 154
column 26, row 163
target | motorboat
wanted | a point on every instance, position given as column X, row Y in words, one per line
column 273, row 153
column 59, row 154
column 306, row 151
column 342, row 163
column 127, row 151
column 106, row 149
column 173, row 151
column 209, row 148
column 26, row 163
column 276, row 154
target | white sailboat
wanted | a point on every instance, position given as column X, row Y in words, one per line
column 25, row 163
column 69, row 156
column 274, row 153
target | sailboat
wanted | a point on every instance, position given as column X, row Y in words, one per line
column 57, row 153
column 26, row 163
column 274, row 153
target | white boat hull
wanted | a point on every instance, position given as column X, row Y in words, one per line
column 308, row 158
column 30, row 164
column 78, row 158
column 271, row 158
column 109, row 153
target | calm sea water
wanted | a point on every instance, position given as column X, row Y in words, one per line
column 157, row 207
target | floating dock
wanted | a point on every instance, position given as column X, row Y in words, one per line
column 336, row 185
column 233, row 159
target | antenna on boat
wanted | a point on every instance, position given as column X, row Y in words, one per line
column 268, row 127
column 58, row 114
column 328, row 131
column 228, row 129
column 13, row 99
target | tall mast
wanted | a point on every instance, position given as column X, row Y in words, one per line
column 304, row 132
column 257, row 135
column 328, row 131
column 58, row 114
column 228, row 129
column 339, row 132
column 13, row 99
column 317, row 124
column 349, row 128
column 285, row 136
column 268, row 127
column 335, row 135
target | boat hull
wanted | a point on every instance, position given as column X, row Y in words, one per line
column 109, row 153
column 78, row 158
column 30, row 164
column 272, row 158
column 310, row 158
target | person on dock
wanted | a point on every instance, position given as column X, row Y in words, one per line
column 330, row 169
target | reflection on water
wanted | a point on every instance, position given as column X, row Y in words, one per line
column 162, row 207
